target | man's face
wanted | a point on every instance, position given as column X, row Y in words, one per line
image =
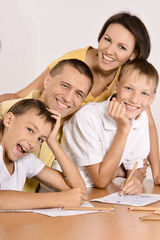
column 135, row 93
column 23, row 134
column 65, row 91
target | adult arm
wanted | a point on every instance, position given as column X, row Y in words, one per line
column 37, row 84
column 154, row 149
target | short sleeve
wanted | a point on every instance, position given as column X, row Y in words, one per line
column 32, row 164
column 81, row 139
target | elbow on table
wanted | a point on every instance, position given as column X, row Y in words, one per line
column 100, row 183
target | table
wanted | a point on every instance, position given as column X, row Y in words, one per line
column 118, row 225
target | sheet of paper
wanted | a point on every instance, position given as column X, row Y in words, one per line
column 55, row 212
column 133, row 200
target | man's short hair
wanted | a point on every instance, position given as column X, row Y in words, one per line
column 79, row 65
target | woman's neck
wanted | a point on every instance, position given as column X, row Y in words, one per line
column 102, row 79
column 92, row 61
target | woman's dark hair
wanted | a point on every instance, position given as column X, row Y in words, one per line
column 135, row 26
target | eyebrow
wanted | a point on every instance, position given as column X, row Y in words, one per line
column 111, row 39
column 71, row 86
column 36, row 128
column 146, row 90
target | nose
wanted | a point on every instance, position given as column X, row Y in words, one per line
column 134, row 98
column 33, row 143
column 68, row 96
column 111, row 48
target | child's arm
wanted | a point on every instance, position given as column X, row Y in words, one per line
column 26, row 200
column 154, row 149
column 103, row 173
column 70, row 171
column 37, row 84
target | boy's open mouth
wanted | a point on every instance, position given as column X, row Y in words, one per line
column 21, row 149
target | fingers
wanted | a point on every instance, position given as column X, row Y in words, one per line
column 133, row 187
column 55, row 114
column 76, row 196
column 115, row 109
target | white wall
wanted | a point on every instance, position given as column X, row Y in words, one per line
column 35, row 32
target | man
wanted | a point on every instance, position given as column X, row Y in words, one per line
column 65, row 88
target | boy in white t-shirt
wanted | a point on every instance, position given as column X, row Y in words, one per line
column 102, row 138
column 25, row 126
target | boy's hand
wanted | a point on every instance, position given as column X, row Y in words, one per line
column 133, row 187
column 73, row 197
column 118, row 112
column 53, row 135
column 120, row 172
column 144, row 168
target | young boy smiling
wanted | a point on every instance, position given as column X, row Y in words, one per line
column 25, row 126
column 109, row 136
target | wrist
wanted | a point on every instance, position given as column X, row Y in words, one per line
column 53, row 144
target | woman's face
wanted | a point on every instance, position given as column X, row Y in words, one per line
column 116, row 47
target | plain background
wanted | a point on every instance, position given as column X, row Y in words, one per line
column 33, row 33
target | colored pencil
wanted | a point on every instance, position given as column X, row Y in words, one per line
column 109, row 209
column 130, row 176
column 144, row 208
column 151, row 218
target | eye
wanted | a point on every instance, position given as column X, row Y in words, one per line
column 122, row 47
column 107, row 39
column 145, row 94
column 30, row 130
column 80, row 94
column 128, row 88
column 40, row 140
column 64, row 85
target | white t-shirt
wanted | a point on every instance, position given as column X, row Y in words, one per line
column 27, row 166
column 88, row 136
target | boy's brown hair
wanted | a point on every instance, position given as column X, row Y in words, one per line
column 142, row 67
column 26, row 105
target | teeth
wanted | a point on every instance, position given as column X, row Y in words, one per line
column 131, row 107
column 62, row 105
column 108, row 58
column 25, row 150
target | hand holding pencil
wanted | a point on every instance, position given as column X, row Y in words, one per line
column 132, row 185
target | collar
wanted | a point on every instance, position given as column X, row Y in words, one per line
column 110, row 124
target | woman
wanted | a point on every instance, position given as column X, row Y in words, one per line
column 122, row 38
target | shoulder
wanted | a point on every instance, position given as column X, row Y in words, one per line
column 30, row 160
column 143, row 118
column 141, row 122
column 78, row 53
column 6, row 105
column 90, row 112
